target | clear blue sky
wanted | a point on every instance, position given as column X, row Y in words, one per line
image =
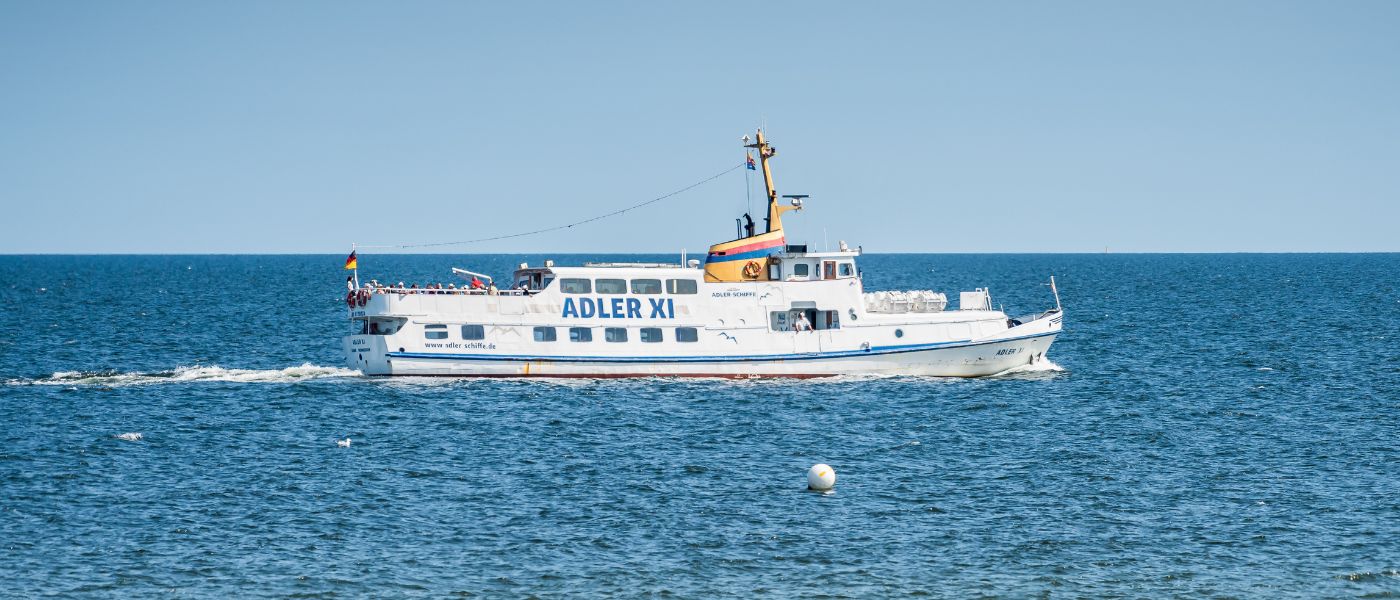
column 174, row 127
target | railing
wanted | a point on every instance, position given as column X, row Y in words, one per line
column 634, row 265
column 1036, row 316
column 905, row 302
column 397, row 291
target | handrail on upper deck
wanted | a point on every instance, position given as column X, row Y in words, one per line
column 385, row 291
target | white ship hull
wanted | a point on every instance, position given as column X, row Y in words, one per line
column 972, row 359
column 738, row 332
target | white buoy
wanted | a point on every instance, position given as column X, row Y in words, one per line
column 345, row 443
column 821, row 478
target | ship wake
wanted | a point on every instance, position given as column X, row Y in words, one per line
column 196, row 374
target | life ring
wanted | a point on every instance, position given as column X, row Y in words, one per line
column 350, row 298
column 364, row 297
column 752, row 269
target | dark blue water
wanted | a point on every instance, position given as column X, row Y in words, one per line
column 1224, row 425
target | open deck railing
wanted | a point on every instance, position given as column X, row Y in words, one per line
column 398, row 291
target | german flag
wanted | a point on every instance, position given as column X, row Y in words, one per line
column 351, row 262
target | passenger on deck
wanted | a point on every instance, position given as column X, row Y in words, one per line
column 801, row 324
column 476, row 283
column 349, row 283
column 491, row 289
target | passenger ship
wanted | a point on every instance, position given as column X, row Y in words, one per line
column 757, row 307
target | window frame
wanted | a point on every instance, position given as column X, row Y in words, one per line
column 694, row 335
column 610, row 335
column 598, row 289
column 632, row 285
column 585, row 337
column 552, row 333
column 479, row 337
column 653, row 331
column 565, row 282
column 673, row 287
column 430, row 329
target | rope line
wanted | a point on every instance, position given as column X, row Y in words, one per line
column 567, row 226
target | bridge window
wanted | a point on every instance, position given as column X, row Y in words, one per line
column 576, row 286
column 646, row 286
column 651, row 335
column 545, row 334
column 473, row 332
column 847, row 270
column 611, row 286
column 580, row 334
column 435, row 332
column 802, row 270
column 687, row 334
column 615, row 334
column 681, row 286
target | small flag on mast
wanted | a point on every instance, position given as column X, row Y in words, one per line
column 749, row 163
column 351, row 262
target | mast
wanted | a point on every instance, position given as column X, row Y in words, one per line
column 766, row 152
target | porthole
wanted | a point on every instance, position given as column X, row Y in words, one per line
column 899, row 333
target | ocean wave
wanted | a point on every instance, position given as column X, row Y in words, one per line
column 188, row 375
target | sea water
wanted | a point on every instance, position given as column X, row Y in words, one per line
column 1209, row 425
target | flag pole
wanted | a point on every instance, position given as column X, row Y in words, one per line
column 357, row 266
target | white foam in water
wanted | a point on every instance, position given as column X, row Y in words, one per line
column 130, row 436
column 1040, row 365
column 192, row 374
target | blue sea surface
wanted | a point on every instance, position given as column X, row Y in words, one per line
column 1217, row 426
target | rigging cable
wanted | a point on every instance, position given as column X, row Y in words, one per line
column 558, row 227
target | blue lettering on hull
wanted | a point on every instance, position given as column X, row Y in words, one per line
column 618, row 308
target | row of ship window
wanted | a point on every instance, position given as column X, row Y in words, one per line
column 648, row 335
column 569, row 285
